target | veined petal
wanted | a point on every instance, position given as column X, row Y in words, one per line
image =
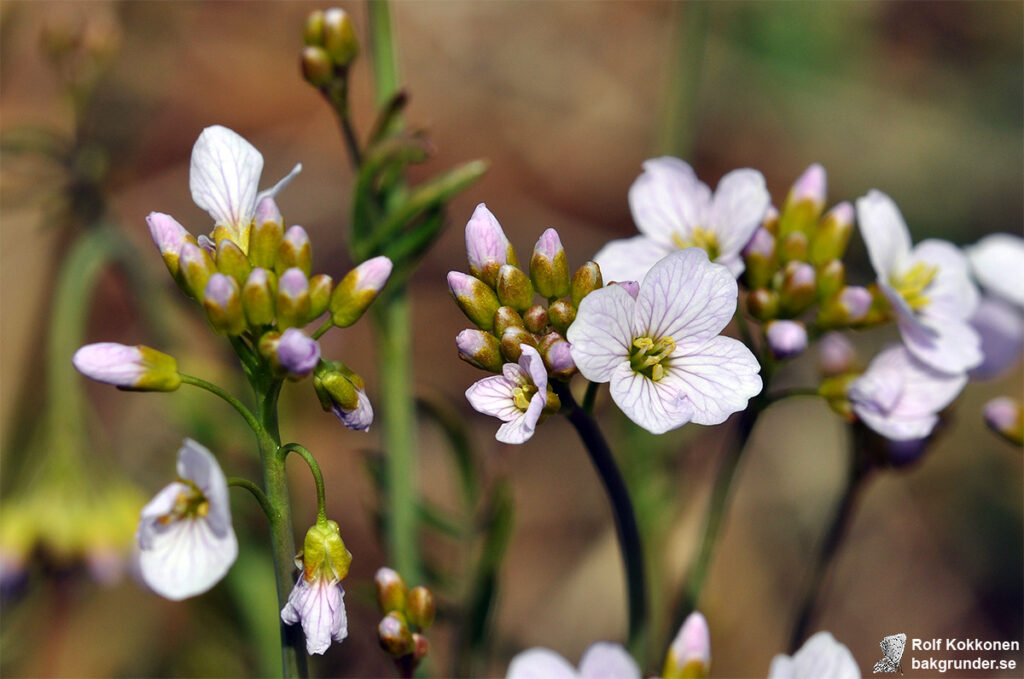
column 493, row 396
column 601, row 335
column 531, row 362
column 520, row 428
column 718, row 379
column 884, row 232
column 186, row 557
column 740, row 201
column 320, row 607
column 951, row 346
column 629, row 259
column 540, row 663
column 998, row 264
column 198, row 465
column 281, row 183
column 668, row 200
column 820, row 656
column 952, row 293
column 604, row 660
column 224, row 176
column 658, row 406
column 685, row 297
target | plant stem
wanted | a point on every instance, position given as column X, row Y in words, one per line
column 256, row 491
column 385, row 55
column 630, row 545
column 318, row 477
column 590, row 396
column 246, row 414
column 837, row 531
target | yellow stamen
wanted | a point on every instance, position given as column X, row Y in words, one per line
column 700, row 238
column 913, row 283
column 648, row 357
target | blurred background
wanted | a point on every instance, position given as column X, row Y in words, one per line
column 922, row 100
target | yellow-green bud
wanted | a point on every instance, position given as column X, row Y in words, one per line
column 317, row 68
column 324, row 552
column 258, row 297
column 514, row 288
column 195, row 267
column 793, row 247
column 232, row 261
column 357, row 290
column 833, row 234
column 507, row 317
column 420, row 607
column 510, row 341
column 267, row 232
column 319, row 294
column 293, row 302
column 294, row 251
column 223, row 304
column 763, row 304
column 535, row 318
column 336, row 387
column 586, row 279
column 480, row 349
column 833, row 390
column 394, row 635
column 1005, row 416
column 313, row 33
column 131, row 368
column 759, row 256
column 420, row 647
column 475, row 299
column 391, row 590
column 549, row 268
column 798, row 288
column 804, row 203
column 340, row 37
column 830, row 278
column 561, row 314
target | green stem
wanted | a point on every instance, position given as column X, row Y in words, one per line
column 257, row 492
column 318, row 477
column 590, row 396
column 327, row 325
column 630, row 544
column 385, row 54
column 246, row 414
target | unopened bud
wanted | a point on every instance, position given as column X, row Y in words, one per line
column 786, row 339
column 585, row 280
column 561, row 314
column 689, row 656
column 833, row 234
column 770, row 221
column 475, row 298
column 557, row 356
column 267, row 232
column 830, row 278
column 836, row 355
column 420, row 608
column 357, row 290
column 535, row 318
column 507, row 317
column 317, row 68
column 196, row 267
column 514, row 288
column 324, row 552
column 487, row 246
column 340, row 37
column 296, row 353
column 798, row 291
column 793, row 247
column 833, row 390
column 231, row 261
column 319, row 294
column 394, row 635
column 336, row 387
column 511, row 340
column 632, row 287
column 805, row 202
column 391, row 590
column 313, row 32
column 223, row 303
column 763, row 304
column 293, row 303
column 131, row 368
column 759, row 255
column 480, row 348
column 258, row 298
column 849, row 307
column 421, row 647
column 169, row 236
column 294, row 252
column 1005, row 416
column 549, row 268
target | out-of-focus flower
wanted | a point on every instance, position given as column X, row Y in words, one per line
column 929, row 287
column 997, row 262
column 900, row 397
column 661, row 352
column 186, row 541
column 516, row 397
column 601, row 660
column 318, row 599
column 135, row 368
column 674, row 210
column 1005, row 416
column 786, row 339
column 836, row 354
column 689, row 656
column 821, row 656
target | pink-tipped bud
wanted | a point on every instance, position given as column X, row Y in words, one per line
column 476, row 299
column 558, row 359
column 786, row 339
column 549, row 268
column 761, row 243
column 1005, row 416
column 297, row 353
column 357, row 290
column 223, row 303
column 857, row 302
column 798, row 289
column 293, row 301
column 267, row 232
column 134, row 368
column 759, row 255
column 195, row 268
column 836, row 355
column 812, row 185
column 294, row 251
column 805, row 202
column 487, row 246
column 169, row 236
column 480, row 348
column 394, row 635
column 690, row 652
column 833, row 234
column 391, row 590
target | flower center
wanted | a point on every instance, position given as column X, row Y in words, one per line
column 913, row 283
column 190, row 504
column 649, row 357
column 699, row 238
column 522, row 396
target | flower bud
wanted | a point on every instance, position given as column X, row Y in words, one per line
column 339, row 37
column 830, row 278
column 313, row 32
column 319, row 294
column 293, row 302
column 420, row 647
column 833, row 234
column 770, row 221
column 1005, row 416
column 420, row 608
column 317, row 68
column 786, row 339
column 759, row 255
column 480, row 349
column 805, row 202
column 549, row 268
column 169, row 236
column 267, row 232
column 223, row 303
column 514, row 288
column 507, row 317
column 323, row 551
column 487, row 246
column 535, row 318
column 849, row 307
column 394, row 635
column 793, row 247
column 336, row 387
column 798, row 291
column 357, row 290
column 561, row 314
column 510, row 341
column 231, row 261
column 138, row 368
column 836, row 355
column 391, row 590
column 196, row 267
column 475, row 298
column 297, row 353
column 258, row 298
column 763, row 304
column 585, row 280
column 833, row 390
column 689, row 656
column 632, row 287
column 294, row 252
column 557, row 356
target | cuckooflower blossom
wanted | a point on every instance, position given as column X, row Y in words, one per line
column 134, row 368
column 661, row 352
column 601, row 660
column 516, row 397
column 186, row 541
column 821, row 656
column 318, row 600
column 997, row 262
column 900, row 397
column 928, row 286
column 674, row 210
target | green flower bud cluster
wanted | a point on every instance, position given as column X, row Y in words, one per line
column 408, row 614
column 331, row 46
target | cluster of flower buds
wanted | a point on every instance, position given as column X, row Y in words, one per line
column 794, row 263
column 408, row 613
column 331, row 46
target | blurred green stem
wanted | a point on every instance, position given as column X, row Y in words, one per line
column 255, row 490
column 679, row 112
column 318, row 477
column 246, row 414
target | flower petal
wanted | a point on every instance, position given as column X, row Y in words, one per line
column 668, row 200
column 602, row 333
column 281, row 183
column 603, row 660
column 224, row 176
column 718, row 379
column 951, row 346
column 737, row 209
column 821, row 656
column 540, row 663
column 629, row 259
column 1001, row 328
column 320, row 607
column 685, row 297
column 658, row 407
column 998, row 264
column 531, row 363
column 884, row 232
column 493, row 396
column 185, row 557
column 952, row 293
column 198, row 465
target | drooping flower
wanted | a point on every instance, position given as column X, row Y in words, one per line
column 675, row 210
column 601, row 660
column 318, row 599
column 928, row 286
column 133, row 368
column 516, row 397
column 997, row 262
column 661, row 352
column 820, row 656
column 900, row 397
column 186, row 541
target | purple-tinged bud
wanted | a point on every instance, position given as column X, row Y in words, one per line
column 340, row 37
column 231, row 261
column 857, row 301
column 549, row 268
column 394, row 635
column 293, row 302
column 793, row 247
column 786, row 339
column 812, row 185
column 761, row 243
column 476, row 299
column 487, row 246
column 343, row 393
column 535, row 318
column 836, row 355
column 267, row 232
column 759, row 255
column 258, row 298
column 805, row 202
column 206, row 243
column 514, row 288
column 223, row 303
column 357, row 290
column 689, row 656
column 632, row 287
column 831, row 276
column 798, row 290
column 297, row 353
column 319, row 294
column 1005, row 416
column 561, row 314
column 420, row 608
column 391, row 590
column 584, row 281
column 132, row 368
column 558, row 357
column 196, row 267
column 169, row 236
column 480, row 349
column 511, row 341
column 359, row 418
column 507, row 317
column 294, row 251
column 317, row 68
column 833, row 234
column 763, row 304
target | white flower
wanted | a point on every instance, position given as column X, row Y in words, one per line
column 661, row 352
column 602, row 660
column 900, row 397
column 516, row 397
column 928, row 286
column 997, row 262
column 185, row 536
column 320, row 606
column 675, row 210
column 820, row 657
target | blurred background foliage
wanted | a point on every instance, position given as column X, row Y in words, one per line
column 922, row 100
